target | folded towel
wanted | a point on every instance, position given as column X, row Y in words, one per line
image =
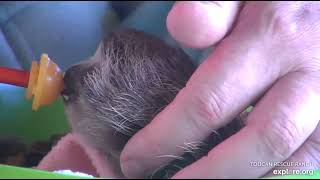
column 68, row 172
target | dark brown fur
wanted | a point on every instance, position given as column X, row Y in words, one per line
column 118, row 91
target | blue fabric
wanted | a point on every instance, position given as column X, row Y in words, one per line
column 70, row 31
column 7, row 56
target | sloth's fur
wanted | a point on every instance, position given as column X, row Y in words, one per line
column 118, row 91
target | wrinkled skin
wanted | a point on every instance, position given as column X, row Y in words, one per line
column 269, row 57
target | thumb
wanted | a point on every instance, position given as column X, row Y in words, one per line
column 198, row 24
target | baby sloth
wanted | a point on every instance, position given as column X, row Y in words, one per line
column 120, row 89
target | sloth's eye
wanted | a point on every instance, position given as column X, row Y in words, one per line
column 65, row 97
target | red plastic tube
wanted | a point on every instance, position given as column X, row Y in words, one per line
column 14, row 77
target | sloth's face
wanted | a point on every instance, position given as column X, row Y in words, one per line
column 118, row 91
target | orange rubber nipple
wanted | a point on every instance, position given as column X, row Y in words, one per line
column 45, row 82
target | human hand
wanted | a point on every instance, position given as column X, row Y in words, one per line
column 270, row 58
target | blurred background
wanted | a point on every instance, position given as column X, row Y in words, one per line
column 69, row 32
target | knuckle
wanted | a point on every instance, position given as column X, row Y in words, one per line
column 281, row 20
column 207, row 108
column 279, row 138
column 290, row 19
column 293, row 27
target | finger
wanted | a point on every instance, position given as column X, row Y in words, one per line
column 303, row 162
column 221, row 88
column 276, row 128
column 200, row 24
